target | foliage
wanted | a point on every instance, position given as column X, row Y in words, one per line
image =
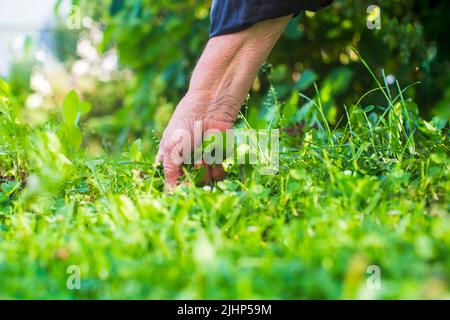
column 372, row 191
column 168, row 36
column 160, row 41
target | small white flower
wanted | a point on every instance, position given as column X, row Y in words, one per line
column 109, row 62
column 80, row 67
column 40, row 84
column 86, row 50
column 41, row 56
column 34, row 101
column 88, row 22
column 390, row 79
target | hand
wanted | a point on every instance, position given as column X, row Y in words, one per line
column 196, row 114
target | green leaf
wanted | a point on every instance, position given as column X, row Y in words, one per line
column 428, row 129
column 369, row 108
column 227, row 185
column 3, row 109
column 85, row 107
column 337, row 81
column 6, row 189
column 293, row 32
column 4, row 88
column 71, row 109
column 291, row 107
column 73, row 137
column 307, row 78
column 198, row 176
column 136, row 150
column 366, row 109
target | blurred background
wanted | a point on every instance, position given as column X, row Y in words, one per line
column 131, row 59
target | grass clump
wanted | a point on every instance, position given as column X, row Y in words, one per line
column 371, row 191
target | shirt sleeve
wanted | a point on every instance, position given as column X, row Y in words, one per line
column 228, row 16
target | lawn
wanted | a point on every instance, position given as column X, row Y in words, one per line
column 365, row 198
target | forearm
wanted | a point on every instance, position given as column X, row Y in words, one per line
column 229, row 64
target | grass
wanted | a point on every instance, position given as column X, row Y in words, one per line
column 372, row 190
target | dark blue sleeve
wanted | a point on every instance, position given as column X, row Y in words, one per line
column 228, row 16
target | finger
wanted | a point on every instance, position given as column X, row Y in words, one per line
column 172, row 172
column 217, row 172
column 172, row 162
column 208, row 177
